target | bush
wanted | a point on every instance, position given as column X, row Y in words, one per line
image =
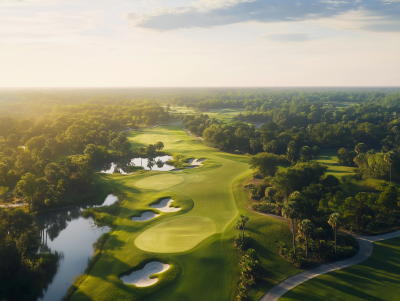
column 237, row 241
column 250, row 269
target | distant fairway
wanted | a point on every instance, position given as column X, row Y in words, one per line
column 176, row 235
column 159, row 182
column 378, row 278
column 329, row 158
column 224, row 115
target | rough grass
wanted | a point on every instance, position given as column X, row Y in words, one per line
column 377, row 278
column 210, row 270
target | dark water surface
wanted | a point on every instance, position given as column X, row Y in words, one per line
column 67, row 232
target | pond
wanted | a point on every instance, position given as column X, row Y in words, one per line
column 156, row 163
column 66, row 231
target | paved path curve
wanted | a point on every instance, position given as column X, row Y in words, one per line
column 365, row 251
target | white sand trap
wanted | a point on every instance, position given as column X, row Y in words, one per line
column 164, row 206
column 146, row 216
column 191, row 167
column 196, row 161
column 141, row 278
column 177, row 169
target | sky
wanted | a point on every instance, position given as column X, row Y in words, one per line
column 201, row 43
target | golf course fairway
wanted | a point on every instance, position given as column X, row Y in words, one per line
column 191, row 240
column 176, row 235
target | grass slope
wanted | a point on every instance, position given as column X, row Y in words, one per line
column 377, row 278
column 209, row 269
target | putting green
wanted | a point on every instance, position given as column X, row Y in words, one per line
column 176, row 235
column 159, row 182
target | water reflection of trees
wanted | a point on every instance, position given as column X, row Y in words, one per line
column 52, row 223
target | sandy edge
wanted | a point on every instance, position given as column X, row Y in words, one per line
column 146, row 216
column 141, row 278
column 165, row 206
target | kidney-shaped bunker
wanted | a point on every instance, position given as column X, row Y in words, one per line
column 141, row 278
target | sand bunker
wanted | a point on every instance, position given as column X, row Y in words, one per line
column 177, row 170
column 141, row 278
column 145, row 217
column 196, row 161
column 191, row 167
column 164, row 206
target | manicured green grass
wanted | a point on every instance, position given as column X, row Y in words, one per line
column 204, row 265
column 224, row 115
column 176, row 235
column 159, row 182
column 377, row 278
column 329, row 158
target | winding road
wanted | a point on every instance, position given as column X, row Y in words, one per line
column 365, row 251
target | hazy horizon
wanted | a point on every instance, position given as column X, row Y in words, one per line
column 190, row 43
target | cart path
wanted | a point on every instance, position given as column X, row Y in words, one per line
column 365, row 251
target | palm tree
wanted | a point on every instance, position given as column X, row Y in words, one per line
column 242, row 223
column 319, row 233
column 270, row 192
column 274, row 145
column 253, row 144
column 306, row 227
column 289, row 211
column 390, row 158
column 360, row 148
column 141, row 151
column 335, row 222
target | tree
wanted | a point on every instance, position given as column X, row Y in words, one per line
column 126, row 146
column 159, row 145
column 115, row 143
column 306, row 227
column 241, row 223
column 141, row 151
column 284, row 182
column 35, row 143
column 360, row 148
column 390, row 158
column 254, row 143
column 335, row 222
column 27, row 187
column 270, row 192
column 150, row 149
column 306, row 153
column 289, row 211
column 265, row 163
column 330, row 182
column 319, row 234
column 273, row 145
column 342, row 155
column 315, row 151
column 292, row 152
column 388, row 198
column 177, row 160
